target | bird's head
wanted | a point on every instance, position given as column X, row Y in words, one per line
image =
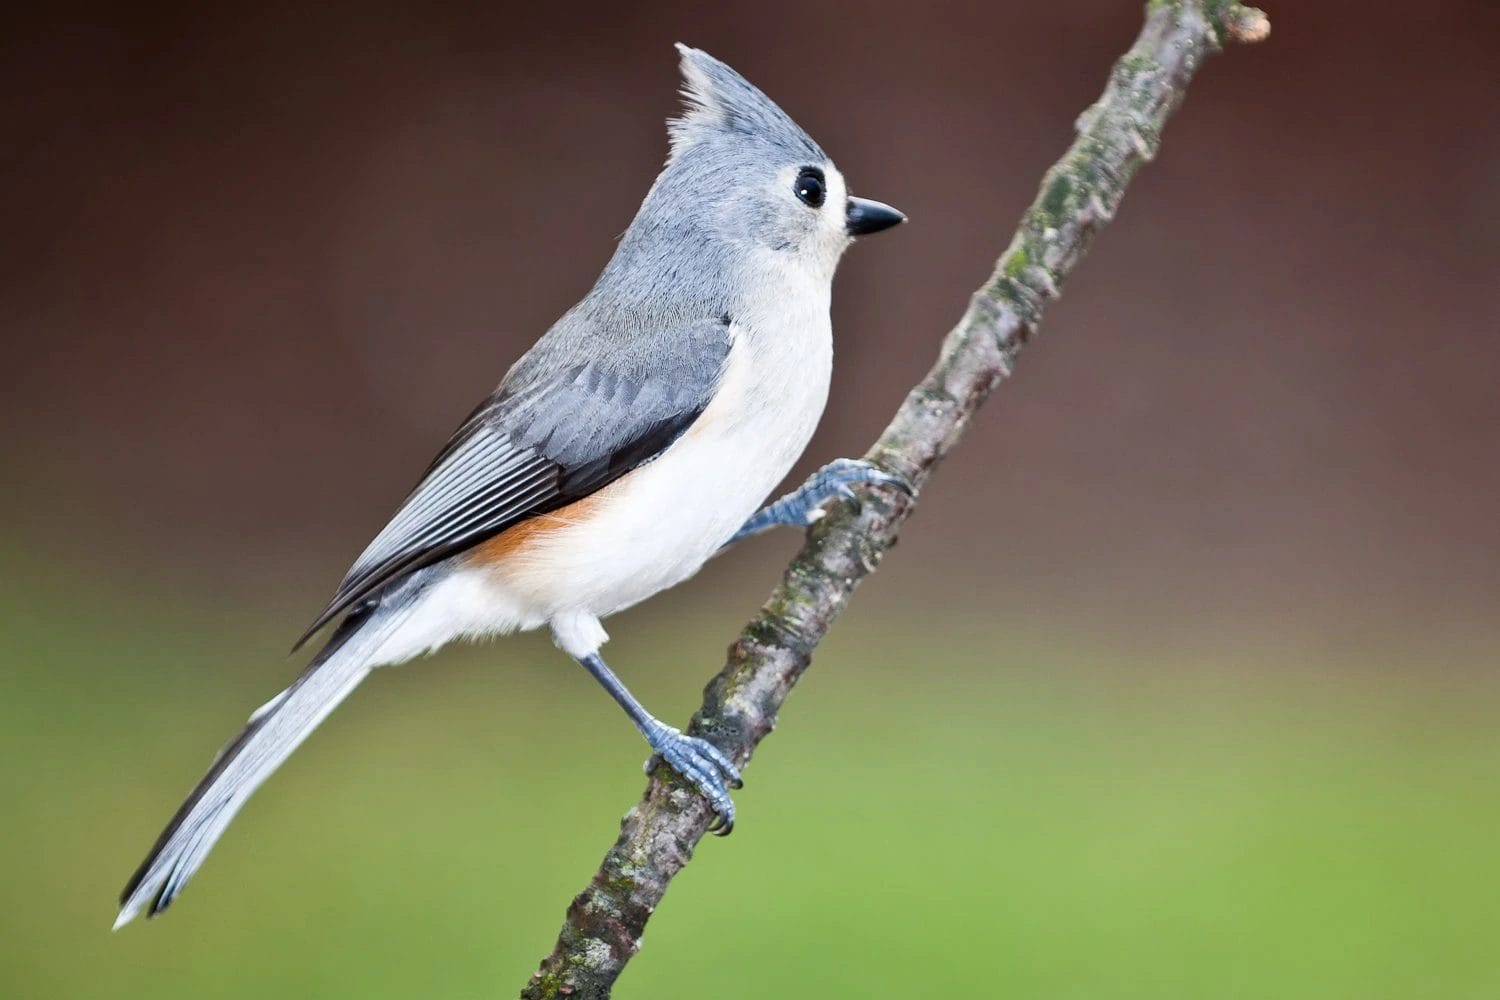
column 742, row 168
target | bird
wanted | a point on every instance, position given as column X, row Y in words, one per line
column 638, row 437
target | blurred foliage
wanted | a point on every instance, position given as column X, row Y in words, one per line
column 948, row 808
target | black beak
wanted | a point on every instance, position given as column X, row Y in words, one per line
column 864, row 217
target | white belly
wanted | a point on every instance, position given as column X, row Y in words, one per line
column 658, row 525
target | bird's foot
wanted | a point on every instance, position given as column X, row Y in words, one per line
column 707, row 768
column 837, row 480
column 834, row 481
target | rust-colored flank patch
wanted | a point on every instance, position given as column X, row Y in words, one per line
column 514, row 540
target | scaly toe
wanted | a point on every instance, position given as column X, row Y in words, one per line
column 722, row 763
column 706, row 768
column 853, row 471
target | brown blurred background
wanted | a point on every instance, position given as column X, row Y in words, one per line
column 259, row 260
column 1180, row 683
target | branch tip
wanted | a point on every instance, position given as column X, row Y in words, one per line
column 1247, row 25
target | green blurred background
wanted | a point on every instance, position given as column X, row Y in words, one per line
column 1180, row 684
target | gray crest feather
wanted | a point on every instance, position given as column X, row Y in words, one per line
column 720, row 102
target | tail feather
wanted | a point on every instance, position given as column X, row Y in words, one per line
column 273, row 732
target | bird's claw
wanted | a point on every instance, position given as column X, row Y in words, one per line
column 803, row 506
column 838, row 479
column 704, row 766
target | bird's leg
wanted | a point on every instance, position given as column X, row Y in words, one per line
column 803, row 506
column 705, row 766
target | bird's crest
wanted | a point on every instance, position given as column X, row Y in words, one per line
column 718, row 101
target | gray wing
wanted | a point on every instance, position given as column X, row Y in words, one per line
column 550, row 435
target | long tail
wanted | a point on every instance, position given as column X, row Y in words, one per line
column 274, row 731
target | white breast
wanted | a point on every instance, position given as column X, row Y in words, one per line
column 657, row 526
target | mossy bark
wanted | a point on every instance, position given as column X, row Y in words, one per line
column 1078, row 196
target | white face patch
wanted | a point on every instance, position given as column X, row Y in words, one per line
column 835, row 211
column 821, row 233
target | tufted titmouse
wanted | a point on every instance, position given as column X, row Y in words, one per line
column 635, row 440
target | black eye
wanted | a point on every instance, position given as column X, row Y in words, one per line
column 810, row 187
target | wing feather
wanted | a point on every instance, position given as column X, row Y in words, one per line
column 550, row 435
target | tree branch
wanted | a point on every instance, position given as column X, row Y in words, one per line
column 1078, row 195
